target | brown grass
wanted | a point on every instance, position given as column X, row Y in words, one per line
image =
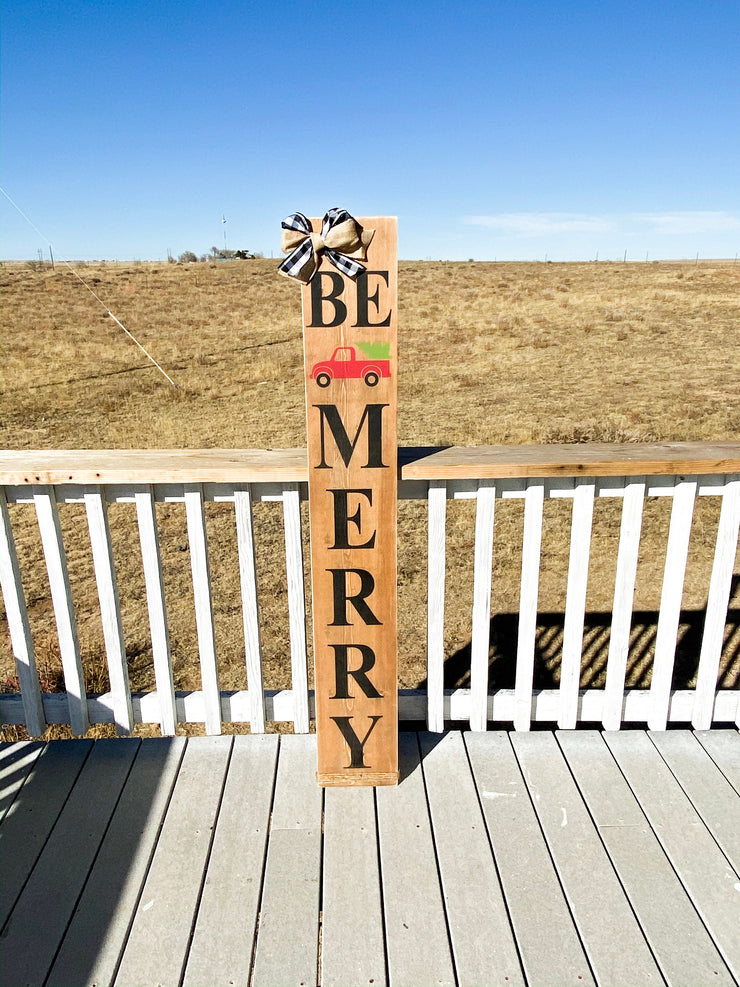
column 489, row 353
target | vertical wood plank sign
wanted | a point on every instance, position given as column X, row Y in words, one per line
column 349, row 275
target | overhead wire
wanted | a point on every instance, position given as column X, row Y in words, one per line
column 82, row 281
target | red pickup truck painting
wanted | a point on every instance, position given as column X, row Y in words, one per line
column 345, row 365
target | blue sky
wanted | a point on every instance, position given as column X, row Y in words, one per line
column 492, row 130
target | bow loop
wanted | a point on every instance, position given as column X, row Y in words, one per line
column 342, row 240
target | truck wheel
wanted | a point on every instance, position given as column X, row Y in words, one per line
column 371, row 378
column 323, row 379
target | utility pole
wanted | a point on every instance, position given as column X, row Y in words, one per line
column 223, row 222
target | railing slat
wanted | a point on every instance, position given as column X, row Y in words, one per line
column 575, row 601
column 534, row 500
column 296, row 605
column 154, row 582
column 482, row 605
column 110, row 610
column 61, row 597
column 250, row 607
column 198, row 541
column 436, row 565
column 624, row 593
column 682, row 513
column 719, row 597
column 484, row 476
column 19, row 626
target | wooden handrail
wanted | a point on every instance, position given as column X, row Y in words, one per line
column 95, row 466
column 579, row 459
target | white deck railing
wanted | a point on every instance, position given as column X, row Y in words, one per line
column 681, row 471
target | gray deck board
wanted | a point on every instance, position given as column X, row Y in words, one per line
column 723, row 746
column 34, row 931
column 709, row 790
column 614, row 942
column 697, row 859
column 227, row 916
column 680, row 942
column 16, row 761
column 499, row 859
column 93, row 944
column 415, row 927
column 288, row 937
column 35, row 810
column 549, row 944
column 157, row 945
column 482, row 940
column 352, row 941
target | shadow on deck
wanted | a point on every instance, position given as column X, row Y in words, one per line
column 501, row 858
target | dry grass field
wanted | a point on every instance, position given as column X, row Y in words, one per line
column 489, row 353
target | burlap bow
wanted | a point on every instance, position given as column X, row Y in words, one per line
column 341, row 240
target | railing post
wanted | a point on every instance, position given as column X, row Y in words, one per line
column 152, row 563
column 682, row 512
column 575, row 600
column 437, row 508
column 18, row 625
column 198, row 542
column 717, row 603
column 534, row 500
column 61, row 596
column 624, row 593
column 250, row 608
column 481, row 635
column 110, row 610
column 296, row 605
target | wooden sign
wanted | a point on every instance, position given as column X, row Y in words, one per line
column 351, row 364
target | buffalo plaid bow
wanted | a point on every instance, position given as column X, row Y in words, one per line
column 342, row 240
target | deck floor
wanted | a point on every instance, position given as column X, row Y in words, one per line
column 567, row 858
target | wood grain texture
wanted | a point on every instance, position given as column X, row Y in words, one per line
column 24, row 467
column 96, row 466
column 353, row 489
column 579, row 459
